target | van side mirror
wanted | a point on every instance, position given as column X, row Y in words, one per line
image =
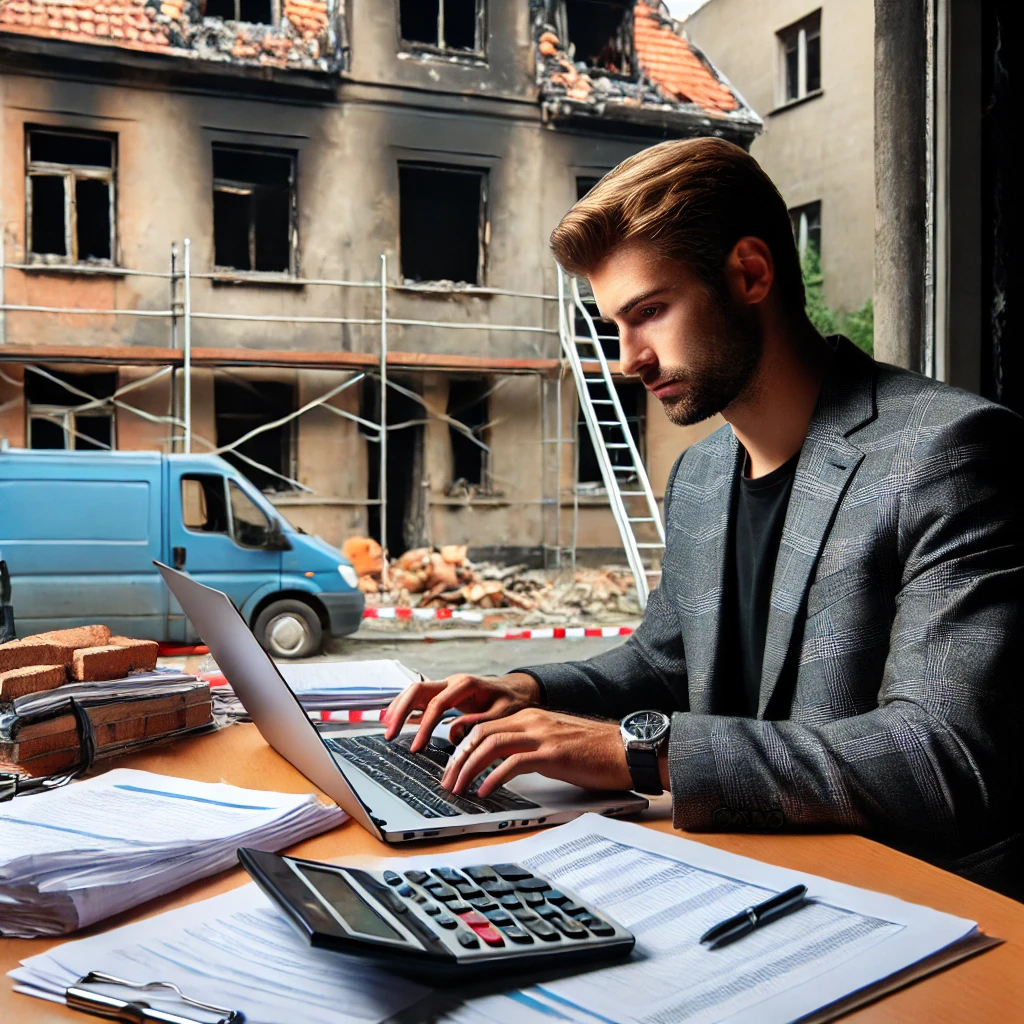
column 276, row 540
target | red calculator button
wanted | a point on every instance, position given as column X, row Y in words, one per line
column 473, row 918
column 488, row 933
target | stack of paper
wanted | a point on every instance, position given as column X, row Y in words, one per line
column 238, row 951
column 78, row 854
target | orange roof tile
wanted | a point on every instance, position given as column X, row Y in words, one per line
column 668, row 61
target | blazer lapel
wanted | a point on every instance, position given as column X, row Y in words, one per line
column 702, row 510
column 828, row 461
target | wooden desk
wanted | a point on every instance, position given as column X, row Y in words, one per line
column 985, row 989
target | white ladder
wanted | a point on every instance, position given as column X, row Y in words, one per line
column 609, row 432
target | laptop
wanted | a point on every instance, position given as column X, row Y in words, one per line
column 393, row 793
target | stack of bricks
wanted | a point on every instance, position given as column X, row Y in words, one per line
column 42, row 744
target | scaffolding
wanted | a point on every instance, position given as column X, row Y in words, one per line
column 181, row 356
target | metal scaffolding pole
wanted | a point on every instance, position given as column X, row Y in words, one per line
column 187, row 358
column 382, row 490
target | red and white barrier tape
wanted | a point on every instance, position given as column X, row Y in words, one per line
column 558, row 633
column 457, row 614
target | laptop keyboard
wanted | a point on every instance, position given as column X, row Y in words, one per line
column 416, row 778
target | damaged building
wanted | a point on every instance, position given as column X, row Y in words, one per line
column 349, row 173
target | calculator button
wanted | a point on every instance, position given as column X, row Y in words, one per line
column 405, row 890
column 499, row 917
column 512, row 872
column 511, row 900
column 392, row 879
column 482, row 902
column 468, row 890
column 441, row 891
column 417, row 877
column 533, row 899
column 547, row 911
column 543, row 930
column 496, row 887
column 459, row 908
column 446, row 920
column 573, row 909
column 432, row 909
column 554, row 896
column 469, row 940
column 525, row 915
column 488, row 933
column 567, row 926
column 472, row 918
column 599, row 927
column 532, row 885
column 448, row 875
column 517, row 934
column 481, row 873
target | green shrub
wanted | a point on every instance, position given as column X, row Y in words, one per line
column 858, row 326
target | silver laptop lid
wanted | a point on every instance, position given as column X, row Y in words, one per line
column 264, row 694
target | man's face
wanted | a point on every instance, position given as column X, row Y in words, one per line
column 696, row 352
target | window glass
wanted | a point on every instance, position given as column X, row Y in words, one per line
column 813, row 59
column 202, row 503
column 792, row 65
column 250, row 523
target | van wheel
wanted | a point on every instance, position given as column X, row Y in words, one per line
column 289, row 629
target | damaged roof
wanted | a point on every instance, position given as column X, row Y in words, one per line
column 673, row 83
column 304, row 38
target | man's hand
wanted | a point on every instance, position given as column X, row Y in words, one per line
column 580, row 751
column 482, row 699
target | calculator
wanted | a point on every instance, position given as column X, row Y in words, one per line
column 442, row 924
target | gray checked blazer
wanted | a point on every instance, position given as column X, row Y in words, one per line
column 891, row 691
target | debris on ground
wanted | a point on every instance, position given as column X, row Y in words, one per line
column 446, row 578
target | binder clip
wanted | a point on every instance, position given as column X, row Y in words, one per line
column 140, row 1011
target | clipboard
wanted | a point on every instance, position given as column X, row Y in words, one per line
column 138, row 1011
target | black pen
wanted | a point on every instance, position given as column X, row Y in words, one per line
column 747, row 920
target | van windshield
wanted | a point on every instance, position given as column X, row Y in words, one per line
column 251, row 526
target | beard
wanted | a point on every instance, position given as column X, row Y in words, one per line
column 722, row 371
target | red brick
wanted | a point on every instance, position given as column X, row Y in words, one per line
column 21, row 681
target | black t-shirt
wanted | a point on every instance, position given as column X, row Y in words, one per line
column 759, row 512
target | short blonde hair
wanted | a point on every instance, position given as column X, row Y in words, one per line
column 691, row 200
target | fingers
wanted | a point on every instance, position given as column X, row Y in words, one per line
column 462, row 724
column 513, row 765
column 415, row 696
column 456, row 689
column 485, row 744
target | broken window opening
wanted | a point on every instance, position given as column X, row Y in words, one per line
column 443, row 26
column 633, row 398
column 442, row 223
column 255, row 12
column 70, row 197
column 203, row 506
column 600, row 34
column 800, row 52
column 806, row 221
column 468, row 402
column 52, row 421
column 243, row 405
column 254, row 210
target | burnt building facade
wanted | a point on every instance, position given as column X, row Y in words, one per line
column 333, row 164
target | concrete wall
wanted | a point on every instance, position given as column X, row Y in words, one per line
column 820, row 148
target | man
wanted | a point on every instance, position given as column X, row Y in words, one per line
column 837, row 633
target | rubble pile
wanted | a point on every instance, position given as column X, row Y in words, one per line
column 446, row 578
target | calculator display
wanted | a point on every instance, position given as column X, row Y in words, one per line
column 333, row 887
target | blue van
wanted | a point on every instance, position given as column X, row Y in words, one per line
column 80, row 531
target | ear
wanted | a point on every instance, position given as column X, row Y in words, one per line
column 750, row 270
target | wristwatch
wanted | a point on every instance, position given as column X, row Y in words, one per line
column 642, row 733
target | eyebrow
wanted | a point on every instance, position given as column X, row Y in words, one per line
column 626, row 307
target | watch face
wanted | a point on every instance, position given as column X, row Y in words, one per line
column 646, row 725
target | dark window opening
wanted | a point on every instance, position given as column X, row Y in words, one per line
column 244, row 405
column 256, row 12
column 806, row 221
column 601, row 34
column 53, row 421
column 441, row 223
column 468, row 403
column 800, row 45
column 584, row 185
column 253, row 210
column 69, row 218
column 406, row 511
column 203, row 506
column 442, row 25
column 633, row 398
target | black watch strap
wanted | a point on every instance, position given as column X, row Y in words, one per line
column 643, row 767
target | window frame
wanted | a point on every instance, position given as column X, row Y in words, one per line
column 275, row 14
column 629, row 53
column 68, row 423
column 70, row 173
column 477, row 55
column 809, row 26
column 799, row 217
column 242, row 187
column 483, row 221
